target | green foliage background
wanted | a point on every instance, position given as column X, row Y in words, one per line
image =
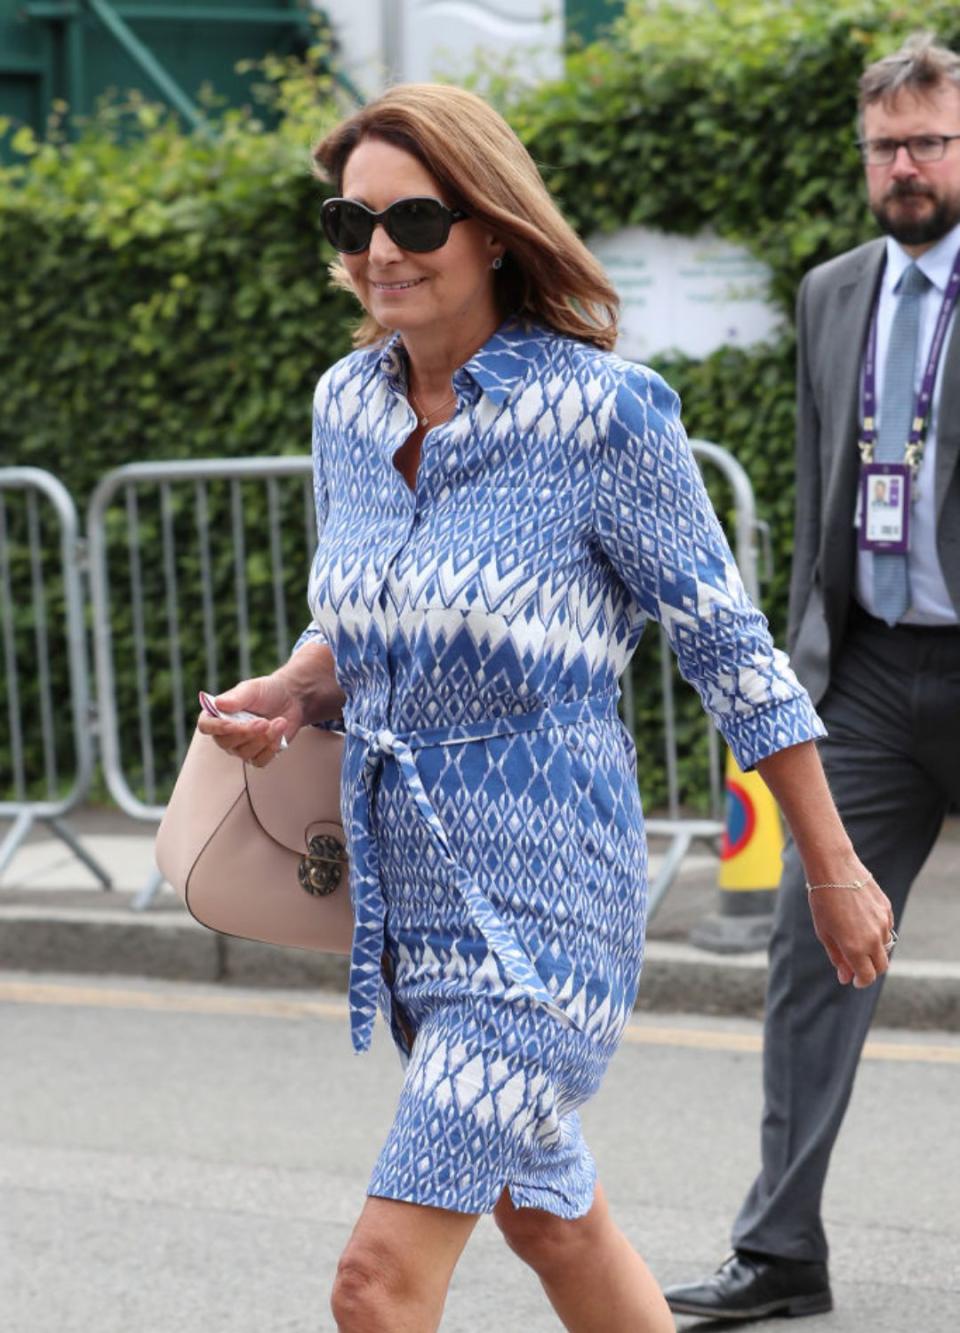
column 165, row 295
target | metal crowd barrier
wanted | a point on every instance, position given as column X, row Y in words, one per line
column 187, row 565
column 47, row 762
column 198, row 575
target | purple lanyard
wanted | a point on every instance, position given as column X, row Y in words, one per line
column 921, row 412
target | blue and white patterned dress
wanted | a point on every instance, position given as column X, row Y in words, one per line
column 479, row 626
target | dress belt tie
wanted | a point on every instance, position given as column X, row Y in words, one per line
column 369, row 907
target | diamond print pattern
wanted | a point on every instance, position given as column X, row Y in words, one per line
column 480, row 626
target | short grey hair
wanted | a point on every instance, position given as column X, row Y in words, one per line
column 920, row 66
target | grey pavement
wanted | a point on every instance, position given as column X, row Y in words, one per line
column 189, row 1158
column 53, row 917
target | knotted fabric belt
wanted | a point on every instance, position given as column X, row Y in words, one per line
column 383, row 745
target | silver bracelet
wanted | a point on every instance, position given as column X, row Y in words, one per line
column 829, row 884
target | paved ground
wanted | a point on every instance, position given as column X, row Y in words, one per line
column 52, row 917
column 189, row 1159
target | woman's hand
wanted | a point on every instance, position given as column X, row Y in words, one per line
column 855, row 923
column 302, row 691
column 280, row 716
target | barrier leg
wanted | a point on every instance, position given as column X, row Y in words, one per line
column 8, row 848
column 668, row 869
column 149, row 891
column 66, row 834
column 749, row 869
column 682, row 835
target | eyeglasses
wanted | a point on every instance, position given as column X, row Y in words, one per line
column 920, row 147
column 417, row 224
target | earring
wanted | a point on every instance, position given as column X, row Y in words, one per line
column 497, row 263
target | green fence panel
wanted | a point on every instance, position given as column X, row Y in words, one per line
column 78, row 51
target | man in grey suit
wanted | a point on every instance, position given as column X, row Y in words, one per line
column 873, row 635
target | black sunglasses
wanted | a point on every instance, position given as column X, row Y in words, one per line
column 417, row 224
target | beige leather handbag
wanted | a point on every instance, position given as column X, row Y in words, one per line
column 260, row 852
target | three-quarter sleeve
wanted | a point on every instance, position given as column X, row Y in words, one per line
column 313, row 633
column 658, row 529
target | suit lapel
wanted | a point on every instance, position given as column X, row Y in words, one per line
column 844, row 342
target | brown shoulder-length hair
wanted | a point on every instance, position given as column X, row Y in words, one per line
column 548, row 274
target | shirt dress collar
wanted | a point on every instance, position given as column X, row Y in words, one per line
column 508, row 360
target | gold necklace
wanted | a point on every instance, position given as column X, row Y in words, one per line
column 426, row 417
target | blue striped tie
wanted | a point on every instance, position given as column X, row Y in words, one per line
column 891, row 584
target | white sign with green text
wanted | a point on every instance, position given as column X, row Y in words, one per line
column 687, row 294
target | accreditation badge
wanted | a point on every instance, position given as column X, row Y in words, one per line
column 883, row 505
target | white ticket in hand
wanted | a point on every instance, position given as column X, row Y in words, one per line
column 209, row 706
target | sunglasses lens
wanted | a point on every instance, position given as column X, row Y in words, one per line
column 413, row 224
column 348, row 226
column 418, row 224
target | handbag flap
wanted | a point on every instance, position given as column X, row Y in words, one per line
column 299, row 788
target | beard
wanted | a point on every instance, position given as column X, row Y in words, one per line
column 914, row 230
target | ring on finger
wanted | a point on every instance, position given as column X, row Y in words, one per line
column 891, row 943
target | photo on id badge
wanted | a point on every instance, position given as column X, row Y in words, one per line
column 884, row 507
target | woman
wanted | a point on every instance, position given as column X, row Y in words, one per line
column 502, row 504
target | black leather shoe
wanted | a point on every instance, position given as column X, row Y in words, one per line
column 750, row 1286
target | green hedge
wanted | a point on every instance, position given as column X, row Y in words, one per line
column 163, row 298
column 167, row 296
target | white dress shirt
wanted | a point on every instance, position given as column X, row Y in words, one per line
column 930, row 602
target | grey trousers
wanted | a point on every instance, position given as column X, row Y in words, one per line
column 893, row 761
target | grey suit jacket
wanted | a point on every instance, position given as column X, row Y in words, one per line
column 833, row 311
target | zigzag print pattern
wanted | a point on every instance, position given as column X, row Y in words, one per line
column 478, row 624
